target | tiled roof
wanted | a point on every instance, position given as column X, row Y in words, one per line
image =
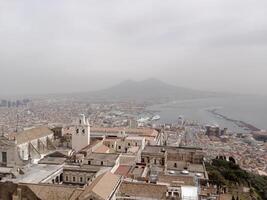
column 31, row 134
column 123, row 170
column 102, row 149
column 51, row 192
column 143, row 190
column 103, row 186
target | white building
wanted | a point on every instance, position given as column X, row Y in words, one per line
column 21, row 148
column 80, row 133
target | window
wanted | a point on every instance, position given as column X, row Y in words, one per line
column 77, row 130
column 73, row 178
column 4, row 157
column 83, row 131
column 67, row 178
column 89, row 162
column 175, row 165
column 102, row 163
column 136, row 144
column 81, row 179
column 119, row 147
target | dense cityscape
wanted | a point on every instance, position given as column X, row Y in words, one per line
column 133, row 100
column 120, row 144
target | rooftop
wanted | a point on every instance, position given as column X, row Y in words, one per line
column 138, row 131
column 102, row 156
column 123, row 170
column 102, row 149
column 176, row 180
column 103, row 186
column 30, row 134
column 37, row 172
column 144, row 190
column 160, row 149
column 52, row 160
column 53, row 192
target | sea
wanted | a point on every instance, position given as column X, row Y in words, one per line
column 249, row 109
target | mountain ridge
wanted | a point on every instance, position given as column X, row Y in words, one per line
column 148, row 90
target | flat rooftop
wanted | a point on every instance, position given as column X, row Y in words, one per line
column 144, row 190
column 160, row 149
column 52, row 160
column 181, row 165
column 84, row 168
column 137, row 131
column 177, row 180
column 37, row 172
column 102, row 156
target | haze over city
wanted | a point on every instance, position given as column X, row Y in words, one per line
column 65, row 46
column 133, row 100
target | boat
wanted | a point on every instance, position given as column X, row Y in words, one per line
column 143, row 119
column 156, row 117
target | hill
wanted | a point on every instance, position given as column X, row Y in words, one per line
column 150, row 90
column 228, row 174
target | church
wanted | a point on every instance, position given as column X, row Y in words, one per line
column 18, row 149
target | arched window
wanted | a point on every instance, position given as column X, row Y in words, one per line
column 77, row 130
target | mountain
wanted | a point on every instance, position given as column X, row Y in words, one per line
column 150, row 90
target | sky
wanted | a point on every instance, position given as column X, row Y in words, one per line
column 58, row 46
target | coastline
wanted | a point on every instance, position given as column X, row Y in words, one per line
column 246, row 126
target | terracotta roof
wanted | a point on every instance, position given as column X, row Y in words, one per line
column 102, row 149
column 103, row 186
column 76, row 194
column 31, row 134
column 123, row 170
column 51, row 192
column 143, row 190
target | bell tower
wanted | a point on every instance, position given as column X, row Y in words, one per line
column 81, row 133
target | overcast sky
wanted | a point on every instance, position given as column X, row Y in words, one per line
column 64, row 46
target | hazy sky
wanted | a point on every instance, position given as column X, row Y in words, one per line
column 64, row 46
